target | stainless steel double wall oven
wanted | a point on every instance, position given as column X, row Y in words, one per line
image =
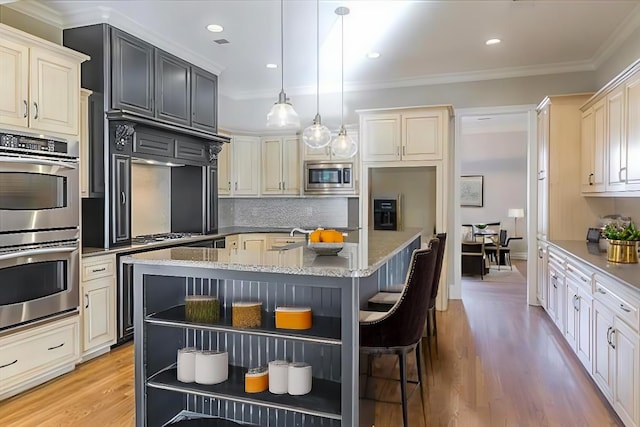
column 39, row 228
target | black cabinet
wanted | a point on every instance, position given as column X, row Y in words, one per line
column 132, row 73
column 212, row 200
column 173, row 88
column 187, row 149
column 96, row 145
column 120, row 199
column 204, row 100
column 154, row 143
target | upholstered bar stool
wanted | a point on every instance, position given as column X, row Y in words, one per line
column 399, row 331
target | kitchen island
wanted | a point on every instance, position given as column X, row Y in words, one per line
column 334, row 287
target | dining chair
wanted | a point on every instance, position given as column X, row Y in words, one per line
column 501, row 253
column 474, row 259
column 399, row 330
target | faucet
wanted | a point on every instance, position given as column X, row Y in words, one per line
column 300, row 230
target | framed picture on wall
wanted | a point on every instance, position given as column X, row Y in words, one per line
column 472, row 190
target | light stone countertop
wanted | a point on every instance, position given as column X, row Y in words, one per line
column 298, row 261
column 629, row 274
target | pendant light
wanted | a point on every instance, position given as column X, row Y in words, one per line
column 317, row 135
column 343, row 146
column 282, row 114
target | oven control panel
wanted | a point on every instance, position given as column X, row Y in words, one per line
column 32, row 143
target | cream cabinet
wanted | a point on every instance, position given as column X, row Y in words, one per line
column 615, row 141
column 281, row 166
column 98, row 310
column 563, row 213
column 405, row 135
column 286, row 258
column 40, row 84
column 594, row 135
column 245, row 170
column 38, row 354
column 556, row 279
column 84, row 142
column 578, row 309
column 224, row 170
column 542, row 290
column 631, row 173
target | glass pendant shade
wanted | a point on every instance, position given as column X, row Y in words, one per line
column 282, row 115
column 343, row 146
column 317, row 135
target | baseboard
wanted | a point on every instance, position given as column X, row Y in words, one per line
column 519, row 255
column 35, row 381
column 95, row 353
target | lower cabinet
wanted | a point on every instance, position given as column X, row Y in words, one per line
column 578, row 303
column 542, row 290
column 36, row 355
column 98, row 310
column 555, row 304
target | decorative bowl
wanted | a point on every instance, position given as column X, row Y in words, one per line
column 325, row 248
column 481, row 226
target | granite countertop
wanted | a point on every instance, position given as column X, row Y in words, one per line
column 298, row 260
column 628, row 274
column 222, row 232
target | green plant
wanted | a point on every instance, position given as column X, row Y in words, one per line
column 617, row 231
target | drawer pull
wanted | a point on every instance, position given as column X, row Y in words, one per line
column 9, row 364
column 53, row 348
column 98, row 270
column 583, row 279
column 601, row 291
column 625, row 308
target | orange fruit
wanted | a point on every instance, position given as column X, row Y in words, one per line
column 326, row 236
column 314, row 237
column 337, row 237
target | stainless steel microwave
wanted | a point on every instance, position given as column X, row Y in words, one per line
column 328, row 178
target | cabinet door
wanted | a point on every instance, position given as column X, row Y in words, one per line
column 173, row 88
column 120, row 200
column 552, row 305
column 584, row 332
column 543, row 168
column 603, row 355
column 571, row 308
column 422, row 135
column 193, row 150
column 157, row 144
column 543, row 289
column 632, row 98
column 251, row 248
column 204, row 96
column 381, row 138
column 627, row 373
column 54, row 89
column 99, row 309
column 592, row 159
column 131, row 74
column 318, row 154
column 224, row 170
column 272, row 166
column 14, row 90
column 212, row 200
column 617, row 149
column 291, row 166
column 246, row 166
column 96, row 145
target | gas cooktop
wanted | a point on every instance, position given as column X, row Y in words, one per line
column 150, row 238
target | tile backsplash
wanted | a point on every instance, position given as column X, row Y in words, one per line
column 150, row 199
column 287, row 212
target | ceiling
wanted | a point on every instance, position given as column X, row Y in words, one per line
column 420, row 42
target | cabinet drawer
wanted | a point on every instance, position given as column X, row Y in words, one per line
column 556, row 257
column 190, row 150
column 583, row 277
column 26, row 353
column 146, row 142
column 96, row 267
column 623, row 304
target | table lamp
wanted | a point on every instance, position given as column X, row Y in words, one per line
column 515, row 213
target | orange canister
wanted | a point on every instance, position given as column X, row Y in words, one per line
column 293, row 317
column 256, row 380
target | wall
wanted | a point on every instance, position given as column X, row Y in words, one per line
column 30, row 25
column 418, row 188
column 625, row 55
column 501, row 157
column 250, row 115
column 327, row 212
column 150, row 199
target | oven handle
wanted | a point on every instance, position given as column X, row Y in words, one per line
column 38, row 252
column 36, row 161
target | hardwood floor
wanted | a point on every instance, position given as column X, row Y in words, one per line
column 501, row 363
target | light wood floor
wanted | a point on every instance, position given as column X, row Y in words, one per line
column 501, row 363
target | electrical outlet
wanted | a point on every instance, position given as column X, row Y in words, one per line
column 309, row 211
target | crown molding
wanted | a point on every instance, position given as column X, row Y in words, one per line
column 617, row 38
column 429, row 80
column 37, row 10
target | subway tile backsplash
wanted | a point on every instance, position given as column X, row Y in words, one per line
column 287, row 212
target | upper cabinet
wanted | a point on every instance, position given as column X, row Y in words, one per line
column 245, row 170
column 281, row 169
column 611, row 137
column 146, row 82
column 40, row 87
column 413, row 134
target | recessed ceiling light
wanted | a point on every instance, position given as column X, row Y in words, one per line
column 373, row 55
column 215, row 28
column 492, row 41
column 272, row 66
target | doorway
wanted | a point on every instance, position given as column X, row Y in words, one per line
column 497, row 144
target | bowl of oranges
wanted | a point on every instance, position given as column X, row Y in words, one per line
column 326, row 242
